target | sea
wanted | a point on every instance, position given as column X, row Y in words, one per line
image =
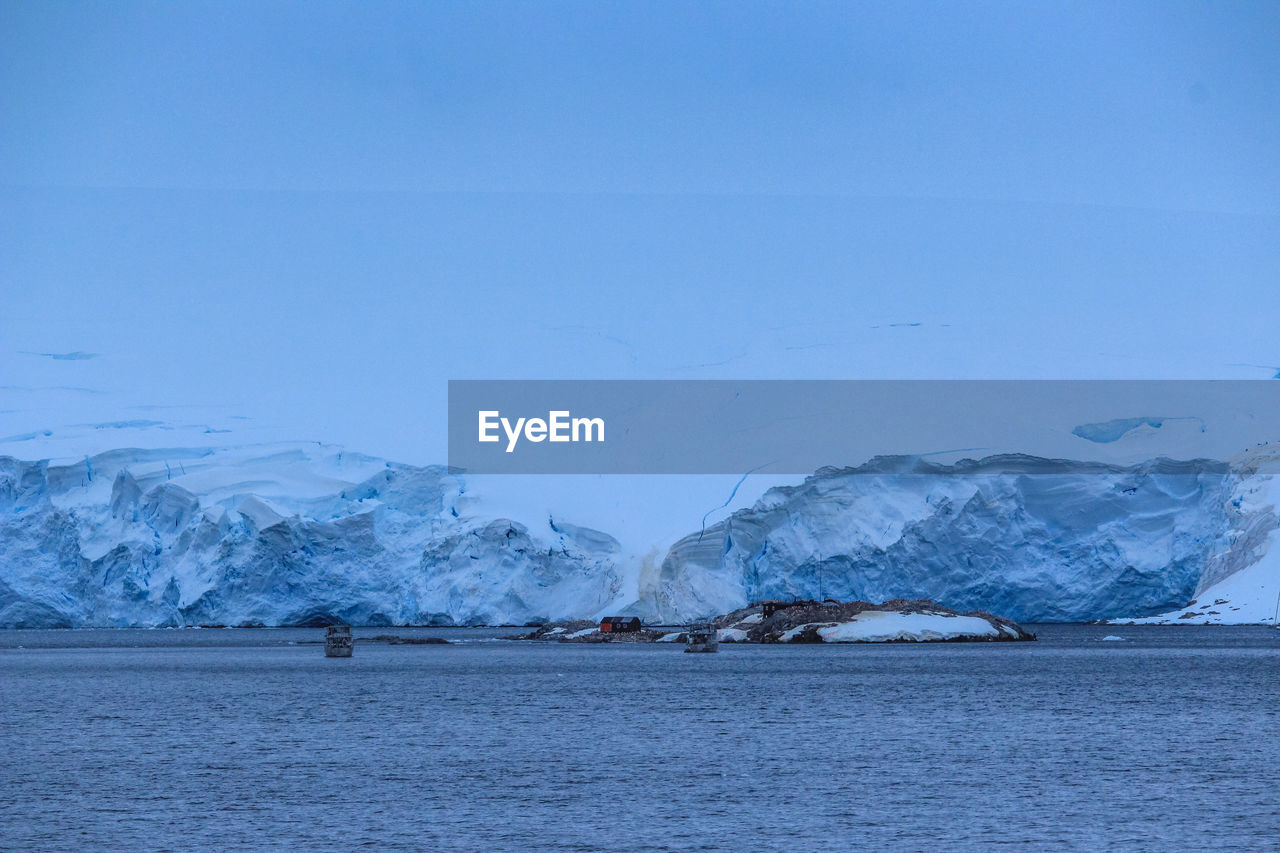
column 1167, row 738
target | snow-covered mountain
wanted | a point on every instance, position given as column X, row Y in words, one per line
column 292, row 533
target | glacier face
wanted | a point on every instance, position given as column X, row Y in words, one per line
column 1026, row 538
column 299, row 533
column 276, row 536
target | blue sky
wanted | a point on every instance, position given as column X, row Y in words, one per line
column 315, row 214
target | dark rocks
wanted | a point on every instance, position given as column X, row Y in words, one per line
column 586, row 631
column 819, row 622
column 392, row 640
column 807, row 622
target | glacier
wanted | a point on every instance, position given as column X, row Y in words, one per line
column 303, row 533
column 1030, row 539
column 277, row 535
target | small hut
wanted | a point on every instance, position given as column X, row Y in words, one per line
column 768, row 608
column 620, row 624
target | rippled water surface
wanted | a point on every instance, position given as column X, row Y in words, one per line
column 242, row 739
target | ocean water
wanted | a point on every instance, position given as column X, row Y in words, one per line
column 246, row 740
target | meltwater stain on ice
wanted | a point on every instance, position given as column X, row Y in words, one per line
column 1114, row 430
column 27, row 436
column 134, row 424
column 64, row 356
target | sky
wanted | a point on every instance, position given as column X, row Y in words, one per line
column 299, row 220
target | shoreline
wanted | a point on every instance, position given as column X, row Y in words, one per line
column 1097, row 623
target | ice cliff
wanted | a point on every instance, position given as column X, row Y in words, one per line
column 276, row 536
column 301, row 533
column 1030, row 539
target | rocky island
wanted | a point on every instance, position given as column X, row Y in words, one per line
column 896, row 621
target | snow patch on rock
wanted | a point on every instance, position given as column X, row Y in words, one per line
column 878, row 626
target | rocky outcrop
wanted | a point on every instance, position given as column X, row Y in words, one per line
column 896, row 621
column 813, row 622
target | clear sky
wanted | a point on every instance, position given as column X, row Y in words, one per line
column 312, row 215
